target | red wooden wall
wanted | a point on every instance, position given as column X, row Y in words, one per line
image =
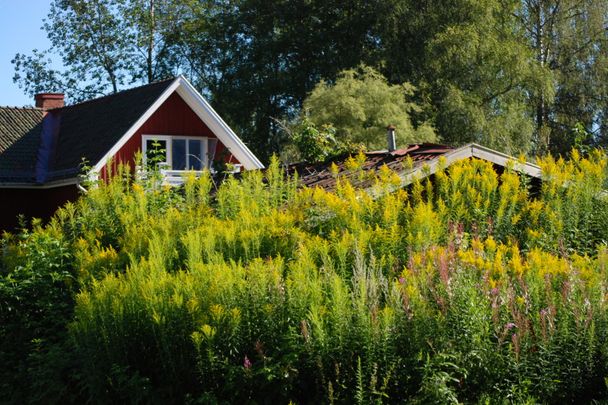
column 32, row 203
column 174, row 117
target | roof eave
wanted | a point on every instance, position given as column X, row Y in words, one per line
column 40, row 186
column 502, row 159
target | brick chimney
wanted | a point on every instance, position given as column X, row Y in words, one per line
column 48, row 101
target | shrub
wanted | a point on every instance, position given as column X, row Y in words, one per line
column 470, row 288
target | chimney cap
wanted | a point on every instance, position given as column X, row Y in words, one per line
column 50, row 95
column 48, row 101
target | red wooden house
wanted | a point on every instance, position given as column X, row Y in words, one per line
column 42, row 148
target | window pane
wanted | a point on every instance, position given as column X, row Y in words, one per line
column 195, row 156
column 178, row 154
column 211, row 146
column 156, row 152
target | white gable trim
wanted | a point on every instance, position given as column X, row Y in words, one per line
column 131, row 131
column 502, row 159
column 471, row 150
column 476, row 151
column 217, row 125
column 204, row 111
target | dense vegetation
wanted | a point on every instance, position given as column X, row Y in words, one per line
column 517, row 75
column 472, row 287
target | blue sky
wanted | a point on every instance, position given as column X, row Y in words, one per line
column 20, row 32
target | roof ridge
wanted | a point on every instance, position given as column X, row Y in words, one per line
column 117, row 93
column 20, row 108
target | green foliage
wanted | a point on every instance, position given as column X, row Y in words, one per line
column 471, row 288
column 37, row 287
column 569, row 39
column 102, row 46
column 482, row 76
column 155, row 156
column 313, row 144
column 511, row 74
column 361, row 104
column 259, row 60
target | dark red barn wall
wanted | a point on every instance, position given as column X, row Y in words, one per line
column 174, row 117
column 32, row 203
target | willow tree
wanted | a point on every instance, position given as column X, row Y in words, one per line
column 361, row 104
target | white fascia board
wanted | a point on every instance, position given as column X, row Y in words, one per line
column 473, row 150
column 427, row 169
column 141, row 121
column 432, row 166
column 502, row 159
column 52, row 184
column 468, row 151
column 217, row 125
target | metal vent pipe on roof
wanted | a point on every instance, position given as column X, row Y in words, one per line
column 390, row 138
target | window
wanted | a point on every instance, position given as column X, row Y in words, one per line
column 178, row 152
column 155, row 151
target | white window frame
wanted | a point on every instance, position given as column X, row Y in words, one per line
column 169, row 152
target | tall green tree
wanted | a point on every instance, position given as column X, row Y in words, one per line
column 516, row 75
column 154, row 26
column 473, row 66
column 569, row 37
column 259, row 59
column 482, row 78
column 103, row 45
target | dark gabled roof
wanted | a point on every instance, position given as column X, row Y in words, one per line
column 19, row 139
column 89, row 130
column 85, row 130
column 14, row 122
column 414, row 161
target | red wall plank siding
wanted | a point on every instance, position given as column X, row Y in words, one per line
column 32, row 203
column 174, row 117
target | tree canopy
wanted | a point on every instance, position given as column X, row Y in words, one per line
column 361, row 104
column 104, row 46
column 516, row 75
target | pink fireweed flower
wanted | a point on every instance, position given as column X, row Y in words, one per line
column 401, row 280
column 494, row 291
column 510, row 326
column 246, row 362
